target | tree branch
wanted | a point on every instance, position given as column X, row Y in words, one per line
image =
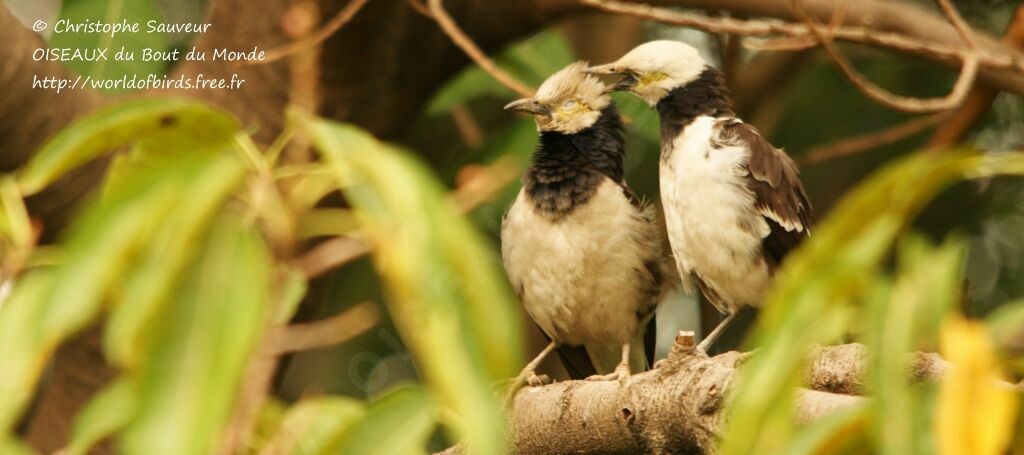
column 955, row 129
column 473, row 51
column 968, row 69
column 678, row 407
column 873, row 139
column 314, row 39
column 891, row 25
column 323, row 333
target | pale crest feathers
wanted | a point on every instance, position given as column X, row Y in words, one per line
column 573, row 81
column 661, row 66
column 678, row 60
column 575, row 99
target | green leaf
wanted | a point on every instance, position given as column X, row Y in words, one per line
column 25, row 348
column 446, row 290
column 157, row 125
column 316, row 426
column 15, row 225
column 1007, row 326
column 831, row 434
column 98, row 250
column 398, row 422
column 291, row 291
column 327, row 222
column 904, row 318
column 12, row 446
column 812, row 294
column 159, row 267
column 113, row 12
column 197, row 357
column 109, row 411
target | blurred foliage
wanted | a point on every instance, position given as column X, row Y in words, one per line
column 837, row 281
column 178, row 256
column 183, row 256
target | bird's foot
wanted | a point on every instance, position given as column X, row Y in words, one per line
column 527, row 378
column 535, row 380
column 621, row 374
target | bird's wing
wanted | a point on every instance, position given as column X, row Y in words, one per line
column 575, row 359
column 651, row 340
column 779, row 196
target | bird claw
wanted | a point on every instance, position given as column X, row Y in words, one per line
column 534, row 380
column 526, row 378
column 621, row 374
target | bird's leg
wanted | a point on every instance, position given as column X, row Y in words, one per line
column 621, row 372
column 529, row 374
column 710, row 339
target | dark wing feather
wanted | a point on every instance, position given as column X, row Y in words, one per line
column 651, row 340
column 774, row 180
column 575, row 360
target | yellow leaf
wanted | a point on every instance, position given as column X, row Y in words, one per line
column 974, row 413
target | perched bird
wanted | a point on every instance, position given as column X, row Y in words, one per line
column 581, row 250
column 734, row 205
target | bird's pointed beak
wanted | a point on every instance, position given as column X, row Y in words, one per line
column 528, row 105
column 607, row 68
column 627, row 82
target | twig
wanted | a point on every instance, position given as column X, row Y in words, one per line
column 473, row 51
column 304, row 70
column 766, row 27
column 798, row 43
column 343, row 17
column 871, row 140
column 469, row 129
column 965, row 80
column 334, row 330
column 482, row 183
column 330, row 255
column 978, row 102
column 419, row 7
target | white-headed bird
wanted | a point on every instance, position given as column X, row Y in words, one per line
column 734, row 205
column 581, row 250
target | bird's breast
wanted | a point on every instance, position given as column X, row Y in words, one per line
column 713, row 228
column 582, row 277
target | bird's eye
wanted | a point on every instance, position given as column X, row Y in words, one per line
column 569, row 104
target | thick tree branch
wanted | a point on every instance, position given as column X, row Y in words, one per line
column 679, row 406
column 841, row 369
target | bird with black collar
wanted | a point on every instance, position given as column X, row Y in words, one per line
column 582, row 251
column 733, row 203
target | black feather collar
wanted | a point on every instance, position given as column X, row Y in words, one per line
column 567, row 168
column 706, row 95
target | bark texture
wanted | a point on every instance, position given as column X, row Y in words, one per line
column 678, row 407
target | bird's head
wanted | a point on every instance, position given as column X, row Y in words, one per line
column 567, row 102
column 653, row 69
